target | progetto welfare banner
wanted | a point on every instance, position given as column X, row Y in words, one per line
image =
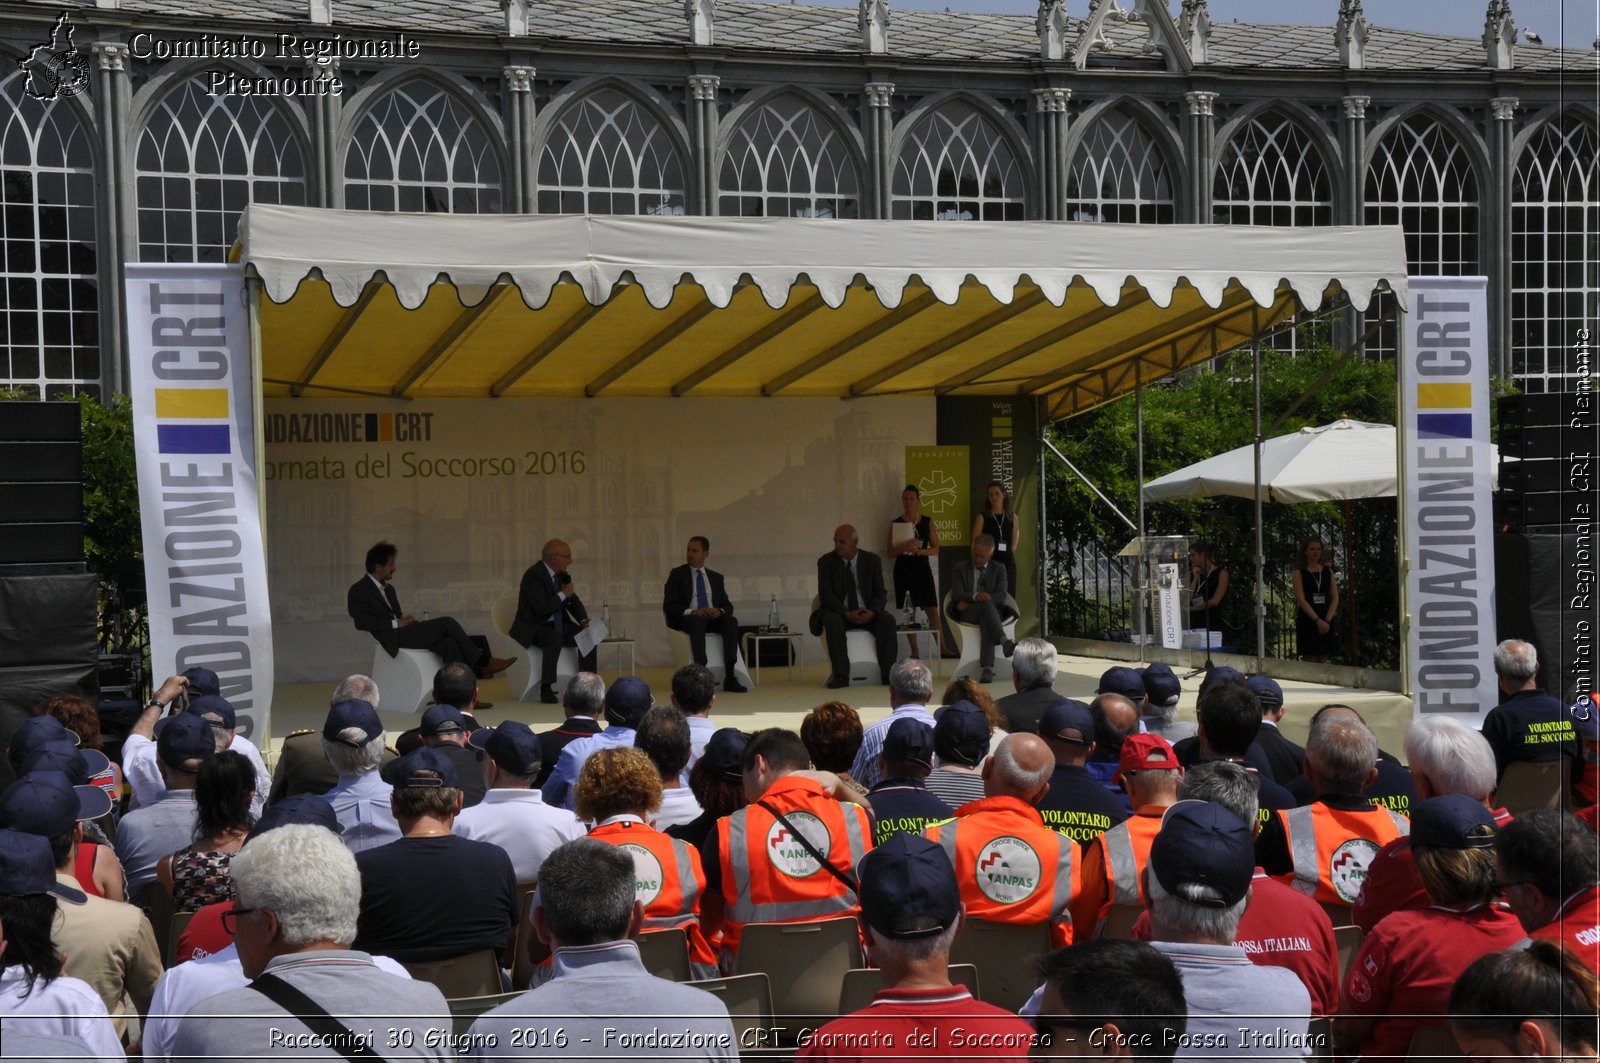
column 1445, row 486
column 194, row 438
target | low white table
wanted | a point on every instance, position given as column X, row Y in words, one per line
column 620, row 644
column 928, row 652
column 752, row 651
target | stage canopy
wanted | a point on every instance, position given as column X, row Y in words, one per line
column 434, row 305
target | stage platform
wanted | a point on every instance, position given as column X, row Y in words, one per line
column 781, row 702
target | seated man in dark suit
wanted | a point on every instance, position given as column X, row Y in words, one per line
column 852, row 594
column 695, row 601
column 549, row 615
column 375, row 607
column 979, row 595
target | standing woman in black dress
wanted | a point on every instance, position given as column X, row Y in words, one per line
column 913, row 572
column 999, row 521
column 1210, row 583
column 1316, row 600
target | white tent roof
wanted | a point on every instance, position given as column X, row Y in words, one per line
column 709, row 305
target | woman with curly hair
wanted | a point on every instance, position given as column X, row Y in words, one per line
column 832, row 734
column 197, row 875
column 617, row 790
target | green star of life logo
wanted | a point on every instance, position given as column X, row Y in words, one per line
column 938, row 492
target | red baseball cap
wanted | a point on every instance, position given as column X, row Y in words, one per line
column 1142, row 752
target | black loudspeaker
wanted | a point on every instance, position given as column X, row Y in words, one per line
column 1554, row 409
column 1545, row 593
column 1531, row 441
column 47, row 645
column 1533, row 474
column 41, row 488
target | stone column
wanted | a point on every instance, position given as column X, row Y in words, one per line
column 1199, row 142
column 116, row 222
column 703, row 136
column 879, row 132
column 1496, row 228
column 324, row 173
column 522, row 193
column 1050, row 150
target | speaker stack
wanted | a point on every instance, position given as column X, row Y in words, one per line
column 1548, row 447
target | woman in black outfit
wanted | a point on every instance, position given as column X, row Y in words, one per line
column 999, row 521
column 1316, row 600
column 913, row 572
column 1210, row 583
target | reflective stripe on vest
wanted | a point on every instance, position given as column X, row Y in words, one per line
column 1122, row 865
column 688, row 892
column 741, row 909
column 1303, row 849
column 1065, row 876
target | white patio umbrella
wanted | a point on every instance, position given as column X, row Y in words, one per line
column 1328, row 463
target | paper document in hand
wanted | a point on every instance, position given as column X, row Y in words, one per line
column 589, row 636
column 901, row 532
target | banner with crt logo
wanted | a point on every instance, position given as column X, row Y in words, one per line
column 194, row 437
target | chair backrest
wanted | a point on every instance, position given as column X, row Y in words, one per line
column 503, row 612
column 804, row 964
column 1339, row 914
column 157, row 903
column 1526, row 785
column 175, row 928
column 665, row 954
column 521, row 963
column 1347, row 939
column 862, row 984
column 1120, row 920
column 1002, row 953
column 748, row 998
column 1434, row 1042
column 464, row 1011
column 1319, row 1035
column 475, row 974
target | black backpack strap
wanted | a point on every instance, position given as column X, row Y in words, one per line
column 842, row 876
column 335, row 1034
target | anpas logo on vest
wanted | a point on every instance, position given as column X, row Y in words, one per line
column 1347, row 870
column 788, row 854
column 647, row 873
column 1008, row 870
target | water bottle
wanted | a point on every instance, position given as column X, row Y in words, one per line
column 773, row 620
column 907, row 617
column 605, row 613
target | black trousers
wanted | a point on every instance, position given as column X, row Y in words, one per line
column 446, row 637
column 549, row 641
column 697, row 627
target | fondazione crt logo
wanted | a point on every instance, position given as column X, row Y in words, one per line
column 56, row 68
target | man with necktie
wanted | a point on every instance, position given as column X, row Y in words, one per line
column 979, row 595
column 375, row 607
column 851, row 595
column 695, row 601
column 549, row 615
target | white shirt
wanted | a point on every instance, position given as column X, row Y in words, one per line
column 361, row 804
column 187, row 984
column 519, row 821
column 144, row 777
column 696, row 576
column 66, row 1007
column 394, row 621
column 677, row 806
column 701, row 728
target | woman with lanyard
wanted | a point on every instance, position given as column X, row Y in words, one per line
column 913, row 572
column 999, row 521
column 1210, row 583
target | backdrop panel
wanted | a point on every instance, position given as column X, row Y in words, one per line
column 469, row 491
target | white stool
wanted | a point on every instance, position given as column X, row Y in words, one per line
column 969, row 642
column 405, row 680
column 522, row 678
column 860, row 648
column 683, row 653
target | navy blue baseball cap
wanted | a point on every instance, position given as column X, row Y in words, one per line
column 1267, row 691
column 47, row 803
column 37, row 731
column 908, row 888
column 424, row 766
column 512, row 745
column 184, row 738
column 628, row 700
column 203, row 681
column 1451, row 821
column 442, row 720
column 1203, row 854
column 1161, row 686
column 1122, row 680
column 910, row 741
column 27, row 868
column 1221, row 674
column 213, row 709
column 310, row 809
column 352, row 713
column 724, row 753
column 1065, row 720
column 959, row 730
column 79, row 765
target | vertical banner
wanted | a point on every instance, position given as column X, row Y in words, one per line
column 1445, row 484
column 194, row 437
column 943, row 477
column 1170, row 615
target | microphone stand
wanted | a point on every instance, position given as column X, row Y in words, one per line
column 1206, row 668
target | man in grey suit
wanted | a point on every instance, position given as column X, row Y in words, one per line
column 978, row 595
column 851, row 595
column 600, row 1004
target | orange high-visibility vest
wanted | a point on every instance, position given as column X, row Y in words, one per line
column 1011, row 868
column 768, row 877
column 1331, row 848
column 668, row 880
column 1111, row 870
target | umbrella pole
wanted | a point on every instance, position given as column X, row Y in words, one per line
column 1261, row 562
column 1141, row 590
column 1350, row 578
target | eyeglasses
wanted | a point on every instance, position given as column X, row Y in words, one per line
column 230, row 919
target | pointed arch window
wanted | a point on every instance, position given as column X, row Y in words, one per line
column 785, row 160
column 1118, row 174
column 957, row 166
column 50, row 313
column 201, row 160
column 608, row 154
column 418, row 148
column 1270, row 173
